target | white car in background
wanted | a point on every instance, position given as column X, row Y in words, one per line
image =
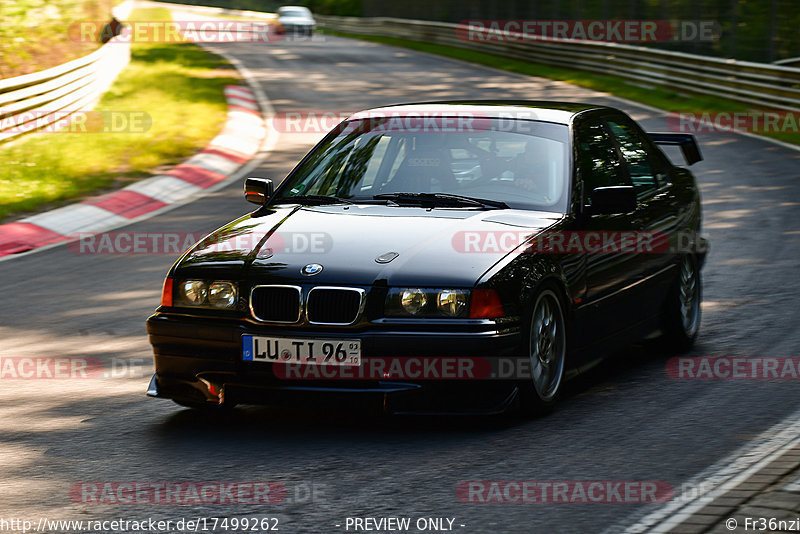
column 296, row 20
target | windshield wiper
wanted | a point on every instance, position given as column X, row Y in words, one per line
column 444, row 198
column 315, row 199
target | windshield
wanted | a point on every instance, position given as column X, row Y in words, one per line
column 293, row 12
column 521, row 163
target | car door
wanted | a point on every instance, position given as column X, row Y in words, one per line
column 656, row 215
column 608, row 306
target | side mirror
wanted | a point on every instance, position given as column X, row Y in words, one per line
column 613, row 200
column 258, row 190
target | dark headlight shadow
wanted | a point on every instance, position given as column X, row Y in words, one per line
column 264, row 422
column 648, row 357
column 267, row 423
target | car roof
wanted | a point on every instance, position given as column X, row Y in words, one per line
column 542, row 110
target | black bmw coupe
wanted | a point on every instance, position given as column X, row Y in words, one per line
column 437, row 258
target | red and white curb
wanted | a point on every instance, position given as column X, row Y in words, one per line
column 235, row 145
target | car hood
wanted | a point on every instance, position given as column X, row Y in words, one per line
column 361, row 244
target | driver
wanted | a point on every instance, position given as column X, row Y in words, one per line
column 530, row 167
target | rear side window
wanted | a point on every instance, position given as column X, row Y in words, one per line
column 632, row 146
column 598, row 159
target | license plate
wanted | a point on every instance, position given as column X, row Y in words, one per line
column 343, row 352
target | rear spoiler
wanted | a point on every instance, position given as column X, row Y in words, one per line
column 687, row 142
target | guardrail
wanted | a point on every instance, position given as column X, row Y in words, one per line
column 47, row 99
column 761, row 84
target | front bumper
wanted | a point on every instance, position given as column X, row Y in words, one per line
column 297, row 29
column 199, row 360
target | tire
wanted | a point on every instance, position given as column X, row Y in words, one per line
column 682, row 308
column 545, row 344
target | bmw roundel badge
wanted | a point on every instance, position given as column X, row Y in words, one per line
column 311, row 269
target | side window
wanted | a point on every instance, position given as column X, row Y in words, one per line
column 633, row 150
column 598, row 160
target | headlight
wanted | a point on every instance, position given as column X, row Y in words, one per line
column 413, row 301
column 206, row 294
column 193, row 292
column 222, row 295
column 452, row 302
column 416, row 302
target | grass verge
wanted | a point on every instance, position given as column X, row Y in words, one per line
column 665, row 99
column 179, row 86
column 34, row 33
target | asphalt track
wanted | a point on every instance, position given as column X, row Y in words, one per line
column 627, row 420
